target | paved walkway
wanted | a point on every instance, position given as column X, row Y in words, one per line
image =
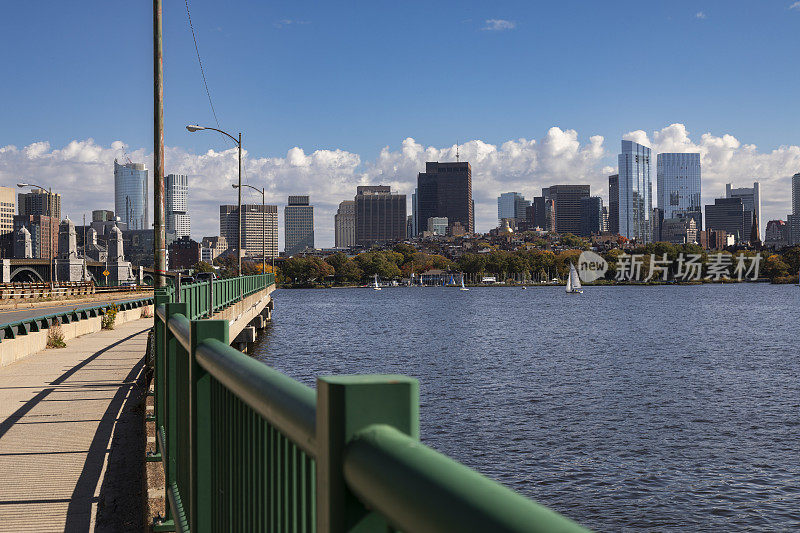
column 60, row 409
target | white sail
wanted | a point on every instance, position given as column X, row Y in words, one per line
column 569, row 282
column 573, row 275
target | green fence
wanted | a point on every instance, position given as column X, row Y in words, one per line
column 246, row 448
column 208, row 297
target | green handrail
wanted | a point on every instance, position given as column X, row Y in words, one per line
column 394, row 474
column 246, row 448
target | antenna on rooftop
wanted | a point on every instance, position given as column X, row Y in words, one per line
column 457, row 157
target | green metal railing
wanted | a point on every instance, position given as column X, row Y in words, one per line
column 208, row 297
column 246, row 448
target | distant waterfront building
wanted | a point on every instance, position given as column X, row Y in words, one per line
column 437, row 225
column 39, row 228
column 298, row 225
column 567, row 201
column 380, row 215
column 7, row 210
column 605, row 219
column 635, row 192
column 229, row 224
column 728, row 214
column 712, row 239
column 613, row 204
column 176, row 192
column 102, row 215
column 212, row 247
column 591, row 210
column 679, row 230
column 655, row 224
column 777, row 234
column 131, row 195
column 184, row 253
column 511, row 205
column 414, row 215
column 793, row 220
column 678, row 184
column 260, row 230
column 751, row 203
column 38, row 202
column 445, row 190
column 344, row 223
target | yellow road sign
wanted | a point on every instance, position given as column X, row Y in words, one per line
column 106, row 272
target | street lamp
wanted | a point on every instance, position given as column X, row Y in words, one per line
column 263, row 225
column 50, row 224
column 193, row 128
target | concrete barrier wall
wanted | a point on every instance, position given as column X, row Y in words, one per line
column 240, row 314
column 12, row 350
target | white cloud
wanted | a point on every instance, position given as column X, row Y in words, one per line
column 289, row 22
column 82, row 172
column 796, row 6
column 700, row 15
column 499, row 25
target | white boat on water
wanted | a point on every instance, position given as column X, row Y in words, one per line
column 463, row 288
column 573, row 281
column 375, row 286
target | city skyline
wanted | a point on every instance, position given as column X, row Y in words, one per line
column 528, row 166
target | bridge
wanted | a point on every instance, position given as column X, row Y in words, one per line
column 237, row 445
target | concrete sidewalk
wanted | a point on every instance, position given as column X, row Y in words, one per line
column 60, row 409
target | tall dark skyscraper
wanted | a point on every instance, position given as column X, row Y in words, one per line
column 445, row 190
column 728, row 214
column 567, row 200
column 591, row 215
column 380, row 215
column 613, row 203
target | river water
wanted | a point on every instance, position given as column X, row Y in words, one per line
column 664, row 408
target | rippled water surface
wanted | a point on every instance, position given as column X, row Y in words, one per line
column 625, row 408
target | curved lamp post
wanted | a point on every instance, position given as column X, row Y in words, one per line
column 50, row 224
column 193, row 128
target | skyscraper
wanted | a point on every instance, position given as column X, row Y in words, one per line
column 130, row 194
column 511, row 205
column 635, row 192
column 259, row 228
column 678, row 180
column 298, row 225
column 176, row 191
column 793, row 220
column 728, row 214
column 567, row 201
column 380, row 215
column 7, row 208
column 591, row 209
column 37, row 202
column 345, row 224
column 751, row 203
column 613, row 203
column 445, row 190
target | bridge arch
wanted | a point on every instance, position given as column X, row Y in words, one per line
column 25, row 273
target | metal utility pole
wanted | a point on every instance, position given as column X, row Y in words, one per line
column 263, row 192
column 159, row 235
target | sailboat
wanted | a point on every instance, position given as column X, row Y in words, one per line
column 375, row 284
column 573, row 281
column 463, row 288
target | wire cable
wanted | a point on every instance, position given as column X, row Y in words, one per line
column 200, row 62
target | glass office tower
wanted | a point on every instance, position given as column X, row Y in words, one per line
column 635, row 192
column 130, row 194
column 678, row 180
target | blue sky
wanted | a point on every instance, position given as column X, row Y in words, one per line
column 359, row 76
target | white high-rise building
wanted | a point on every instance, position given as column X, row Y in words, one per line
column 131, row 194
column 678, row 180
column 635, row 192
column 176, row 193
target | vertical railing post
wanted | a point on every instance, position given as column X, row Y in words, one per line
column 161, row 297
column 171, row 393
column 202, row 500
column 346, row 405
